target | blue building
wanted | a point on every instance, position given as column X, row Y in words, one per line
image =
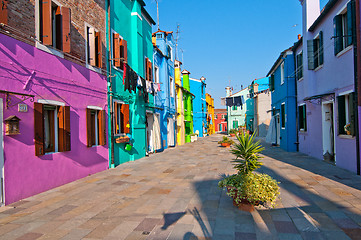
column 164, row 99
column 283, row 129
column 198, row 88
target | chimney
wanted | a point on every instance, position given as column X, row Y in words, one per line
column 299, row 36
column 241, row 86
column 310, row 12
column 228, row 91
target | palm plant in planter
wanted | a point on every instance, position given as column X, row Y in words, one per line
column 246, row 187
column 232, row 132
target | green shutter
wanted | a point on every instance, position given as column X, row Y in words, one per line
column 304, row 117
column 310, row 55
column 341, row 114
column 320, row 50
column 338, row 38
column 351, row 23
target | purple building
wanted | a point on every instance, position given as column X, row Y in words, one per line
column 53, row 97
column 326, row 92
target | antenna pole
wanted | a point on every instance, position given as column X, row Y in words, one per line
column 157, row 13
column 176, row 42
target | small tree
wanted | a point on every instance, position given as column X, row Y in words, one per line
column 247, row 153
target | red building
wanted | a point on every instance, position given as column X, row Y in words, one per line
column 220, row 120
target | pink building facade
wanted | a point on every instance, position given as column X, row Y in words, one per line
column 71, row 102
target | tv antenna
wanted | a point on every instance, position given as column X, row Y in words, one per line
column 176, row 41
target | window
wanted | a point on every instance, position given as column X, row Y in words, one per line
column 344, row 28
column 171, row 86
column 51, row 128
column 282, row 73
column 120, row 51
column 156, row 74
column 223, row 116
column 148, row 70
column 234, row 108
column 96, row 128
column 283, row 115
column 315, row 52
column 121, row 118
column 346, row 116
column 215, row 116
column 302, row 118
column 272, row 82
column 299, row 65
column 94, row 47
column 169, row 52
column 54, row 25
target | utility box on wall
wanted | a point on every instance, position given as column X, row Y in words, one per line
column 12, row 125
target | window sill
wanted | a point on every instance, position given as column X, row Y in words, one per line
column 318, row 68
column 345, row 50
column 301, row 79
column 95, row 69
column 49, row 153
column 49, row 49
column 302, row 131
column 118, row 69
column 344, row 136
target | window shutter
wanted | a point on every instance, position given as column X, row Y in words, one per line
column 66, row 20
column 115, row 117
column 116, row 50
column 146, row 69
column 341, row 114
column 124, row 49
column 88, row 128
column 351, row 101
column 4, row 11
column 338, row 35
column 47, row 33
column 126, row 123
column 150, row 71
column 38, row 129
column 351, row 23
column 304, row 117
column 61, row 133
column 99, row 52
column 102, row 127
column 67, row 135
column 320, row 50
column 310, row 55
column 91, row 46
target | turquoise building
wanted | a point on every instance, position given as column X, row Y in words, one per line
column 130, row 51
column 198, row 88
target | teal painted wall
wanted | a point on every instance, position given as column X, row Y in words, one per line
column 137, row 32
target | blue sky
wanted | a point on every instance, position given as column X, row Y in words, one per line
column 230, row 41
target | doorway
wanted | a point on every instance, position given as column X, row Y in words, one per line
column 328, row 132
column 149, row 124
column 2, row 194
column 170, row 133
column 278, row 130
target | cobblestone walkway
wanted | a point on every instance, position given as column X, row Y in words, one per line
column 174, row 195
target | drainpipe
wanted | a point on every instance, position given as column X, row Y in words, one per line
column 295, row 67
column 357, row 65
column 110, row 91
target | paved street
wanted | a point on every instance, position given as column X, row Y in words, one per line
column 174, row 195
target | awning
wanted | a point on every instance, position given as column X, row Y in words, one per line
column 318, row 96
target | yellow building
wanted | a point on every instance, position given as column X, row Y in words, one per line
column 179, row 103
column 211, row 127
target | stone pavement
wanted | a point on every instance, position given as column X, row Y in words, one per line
column 174, row 195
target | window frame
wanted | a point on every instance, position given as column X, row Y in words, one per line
column 282, row 69
column 302, row 107
column 171, row 85
column 299, row 66
column 283, row 115
column 98, row 59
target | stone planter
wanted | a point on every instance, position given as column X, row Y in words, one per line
column 244, row 205
column 232, row 134
column 194, row 138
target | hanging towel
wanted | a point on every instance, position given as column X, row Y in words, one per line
column 158, row 87
column 139, row 82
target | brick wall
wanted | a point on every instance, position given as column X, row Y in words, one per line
column 21, row 15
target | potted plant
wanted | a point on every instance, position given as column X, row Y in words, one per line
column 232, row 132
column 249, row 189
column 347, row 128
column 194, row 137
column 226, row 142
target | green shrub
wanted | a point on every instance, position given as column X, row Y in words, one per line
column 256, row 188
column 226, row 140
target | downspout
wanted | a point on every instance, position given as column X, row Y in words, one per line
column 357, row 65
column 110, row 91
column 296, row 99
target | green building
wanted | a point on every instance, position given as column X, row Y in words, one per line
column 188, row 106
column 129, row 50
